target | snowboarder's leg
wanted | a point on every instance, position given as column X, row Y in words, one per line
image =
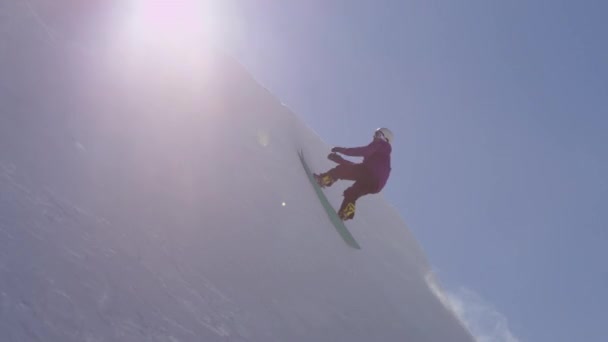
column 351, row 195
column 342, row 171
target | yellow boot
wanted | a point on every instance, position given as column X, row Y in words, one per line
column 348, row 212
column 324, row 180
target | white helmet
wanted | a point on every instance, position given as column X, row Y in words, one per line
column 386, row 133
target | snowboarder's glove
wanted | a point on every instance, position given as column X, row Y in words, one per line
column 338, row 149
column 335, row 157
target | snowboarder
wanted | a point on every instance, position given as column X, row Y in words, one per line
column 370, row 176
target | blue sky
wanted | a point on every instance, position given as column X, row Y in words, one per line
column 500, row 116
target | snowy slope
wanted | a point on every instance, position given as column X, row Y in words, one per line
column 155, row 202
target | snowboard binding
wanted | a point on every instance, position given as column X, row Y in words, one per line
column 324, row 180
column 347, row 212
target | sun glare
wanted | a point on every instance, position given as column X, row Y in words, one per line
column 172, row 24
column 169, row 40
column 165, row 19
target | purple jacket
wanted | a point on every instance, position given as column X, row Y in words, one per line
column 377, row 159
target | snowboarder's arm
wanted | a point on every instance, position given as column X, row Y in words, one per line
column 336, row 158
column 363, row 151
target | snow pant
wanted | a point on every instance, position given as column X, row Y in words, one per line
column 364, row 184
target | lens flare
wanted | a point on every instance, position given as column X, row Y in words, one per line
column 176, row 24
column 166, row 22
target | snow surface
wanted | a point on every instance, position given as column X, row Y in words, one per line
column 154, row 202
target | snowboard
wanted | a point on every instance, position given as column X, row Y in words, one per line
column 331, row 212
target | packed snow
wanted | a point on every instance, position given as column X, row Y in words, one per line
column 144, row 201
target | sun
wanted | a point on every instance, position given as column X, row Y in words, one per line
column 165, row 18
column 178, row 38
column 171, row 23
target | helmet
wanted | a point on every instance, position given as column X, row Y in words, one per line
column 386, row 133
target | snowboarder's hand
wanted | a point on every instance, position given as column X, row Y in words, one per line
column 338, row 150
column 334, row 157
